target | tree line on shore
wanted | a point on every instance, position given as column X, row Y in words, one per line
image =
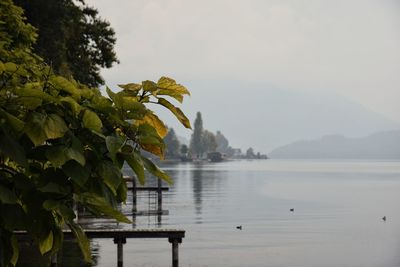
column 204, row 144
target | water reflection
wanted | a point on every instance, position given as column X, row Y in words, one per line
column 206, row 185
column 337, row 218
column 197, row 180
column 69, row 255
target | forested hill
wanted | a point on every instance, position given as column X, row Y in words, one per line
column 382, row 145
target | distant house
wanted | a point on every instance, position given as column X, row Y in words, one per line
column 237, row 152
column 215, row 157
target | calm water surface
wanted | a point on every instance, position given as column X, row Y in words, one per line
column 337, row 218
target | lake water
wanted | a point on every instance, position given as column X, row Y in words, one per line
column 337, row 218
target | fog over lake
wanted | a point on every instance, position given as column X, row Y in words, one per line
column 272, row 71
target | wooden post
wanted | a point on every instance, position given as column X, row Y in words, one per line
column 76, row 211
column 175, row 250
column 159, row 219
column 53, row 260
column 134, row 196
column 120, row 241
column 159, row 196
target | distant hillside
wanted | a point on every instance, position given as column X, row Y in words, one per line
column 382, row 145
column 266, row 118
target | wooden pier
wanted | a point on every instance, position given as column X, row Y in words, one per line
column 120, row 236
column 159, row 189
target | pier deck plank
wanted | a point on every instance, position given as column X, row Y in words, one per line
column 123, row 233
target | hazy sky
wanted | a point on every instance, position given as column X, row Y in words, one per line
column 346, row 47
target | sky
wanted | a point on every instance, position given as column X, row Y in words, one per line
column 347, row 48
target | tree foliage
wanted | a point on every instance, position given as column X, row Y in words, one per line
column 73, row 39
column 222, row 142
column 209, row 142
column 62, row 142
column 250, row 153
column 196, row 143
column 172, row 145
column 184, row 150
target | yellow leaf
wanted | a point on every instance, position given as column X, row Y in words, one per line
column 170, row 84
column 152, row 119
column 154, row 149
column 46, row 244
column 176, row 111
column 131, row 86
column 149, row 86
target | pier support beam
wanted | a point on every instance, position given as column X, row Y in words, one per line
column 134, row 196
column 53, row 260
column 175, row 250
column 159, row 196
column 120, row 241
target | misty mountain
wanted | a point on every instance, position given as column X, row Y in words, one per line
column 259, row 116
column 382, row 145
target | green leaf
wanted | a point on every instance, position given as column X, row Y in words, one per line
column 83, row 241
column 126, row 149
column 34, row 90
column 132, row 87
column 102, row 104
column 135, row 162
column 110, row 93
column 153, row 169
column 176, row 111
column 129, row 103
column 64, row 85
column 92, row 121
column 111, row 175
column 122, row 192
column 74, row 154
column 10, row 67
column 14, row 122
column 55, row 189
column 50, row 204
column 15, row 250
column 34, row 128
column 76, row 172
column 7, row 196
column 46, row 243
column 75, row 107
column 149, row 86
column 31, row 95
column 41, row 127
column 114, row 143
column 2, row 67
column 11, row 148
column 53, row 205
column 57, row 156
column 58, row 238
column 150, row 141
column 54, row 126
column 101, row 205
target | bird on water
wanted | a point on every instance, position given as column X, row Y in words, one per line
column 384, row 218
column 292, row 209
column 239, row 227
